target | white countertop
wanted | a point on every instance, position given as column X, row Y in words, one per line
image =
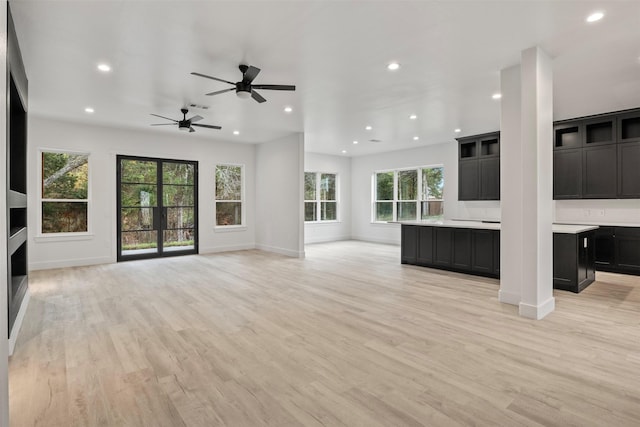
column 557, row 228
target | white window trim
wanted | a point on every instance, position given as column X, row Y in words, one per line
column 318, row 202
column 396, row 200
column 65, row 236
column 233, row 227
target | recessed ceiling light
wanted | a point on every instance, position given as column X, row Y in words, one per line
column 415, row 138
column 105, row 68
column 595, row 16
column 344, row 151
column 89, row 110
column 355, row 142
column 236, row 132
column 288, row 109
column 393, row 66
column 413, row 117
column 369, row 127
column 496, row 96
column 457, row 130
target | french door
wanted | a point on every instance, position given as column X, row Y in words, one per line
column 157, row 207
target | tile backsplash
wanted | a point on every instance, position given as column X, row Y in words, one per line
column 598, row 211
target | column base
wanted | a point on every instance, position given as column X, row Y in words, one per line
column 539, row 311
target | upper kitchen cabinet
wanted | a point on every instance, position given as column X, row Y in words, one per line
column 596, row 157
column 479, row 167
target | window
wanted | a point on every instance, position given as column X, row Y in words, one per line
column 408, row 194
column 320, row 197
column 229, row 195
column 64, row 192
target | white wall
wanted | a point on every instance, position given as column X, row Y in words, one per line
column 4, row 342
column 280, row 196
column 599, row 212
column 362, row 169
column 103, row 144
column 331, row 231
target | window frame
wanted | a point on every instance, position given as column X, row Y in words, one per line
column 318, row 200
column 243, row 213
column 65, row 235
column 420, row 196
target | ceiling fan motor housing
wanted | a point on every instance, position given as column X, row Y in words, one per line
column 243, row 90
column 184, row 125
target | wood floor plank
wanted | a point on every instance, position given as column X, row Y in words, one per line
column 346, row 337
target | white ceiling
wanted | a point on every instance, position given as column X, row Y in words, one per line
column 336, row 53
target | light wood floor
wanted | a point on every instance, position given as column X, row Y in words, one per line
column 346, row 337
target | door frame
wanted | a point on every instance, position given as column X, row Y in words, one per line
column 161, row 253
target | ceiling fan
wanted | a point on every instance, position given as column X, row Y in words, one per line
column 185, row 124
column 245, row 88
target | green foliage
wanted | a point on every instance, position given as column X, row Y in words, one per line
column 408, row 185
column 433, row 183
column 310, row 186
column 65, row 176
column 228, row 182
column 384, row 186
column 327, row 186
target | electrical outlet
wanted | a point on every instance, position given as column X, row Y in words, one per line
column 599, row 213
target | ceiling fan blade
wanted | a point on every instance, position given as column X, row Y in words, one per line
column 163, row 124
column 213, row 78
column 252, row 73
column 208, row 126
column 163, row 117
column 274, row 87
column 196, row 118
column 218, row 92
column 255, row 95
column 191, row 129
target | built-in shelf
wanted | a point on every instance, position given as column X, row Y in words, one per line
column 568, row 137
column 630, row 128
column 16, row 200
column 600, row 132
column 468, row 150
column 490, row 147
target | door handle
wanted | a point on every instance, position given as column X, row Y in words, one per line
column 156, row 218
column 164, row 219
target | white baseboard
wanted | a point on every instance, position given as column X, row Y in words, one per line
column 376, row 240
column 63, row 263
column 229, row 248
column 313, row 240
column 539, row 311
column 15, row 330
column 281, row 251
column 508, row 297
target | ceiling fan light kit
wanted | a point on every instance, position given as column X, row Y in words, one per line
column 185, row 124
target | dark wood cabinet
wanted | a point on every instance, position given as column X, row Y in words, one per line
column 597, row 157
column 425, row 246
column 629, row 170
column 567, row 174
column 605, row 255
column 489, row 171
column 468, row 185
column 479, row 167
column 408, row 249
column 484, row 251
column 573, row 261
column 461, row 249
column 600, row 172
column 443, row 246
column 627, row 249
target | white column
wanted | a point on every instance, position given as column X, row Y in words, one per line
column 527, row 188
column 510, row 188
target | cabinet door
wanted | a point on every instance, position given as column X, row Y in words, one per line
column 600, row 180
column 425, row 246
column 409, row 244
column 567, row 135
column 629, row 170
column 489, row 178
column 629, row 127
column 567, row 174
column 443, row 246
column 565, row 262
column 468, row 180
column 604, row 247
column 628, row 249
column 461, row 248
column 482, row 251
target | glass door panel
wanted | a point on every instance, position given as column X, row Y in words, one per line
column 157, row 206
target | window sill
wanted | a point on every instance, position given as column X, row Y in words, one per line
column 229, row 228
column 321, row 222
column 63, row 237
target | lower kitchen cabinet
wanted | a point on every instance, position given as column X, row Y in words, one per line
column 425, row 246
column 442, row 246
column 409, row 248
column 573, row 261
column 483, row 255
column 617, row 249
column 461, row 249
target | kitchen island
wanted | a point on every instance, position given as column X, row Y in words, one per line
column 473, row 247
